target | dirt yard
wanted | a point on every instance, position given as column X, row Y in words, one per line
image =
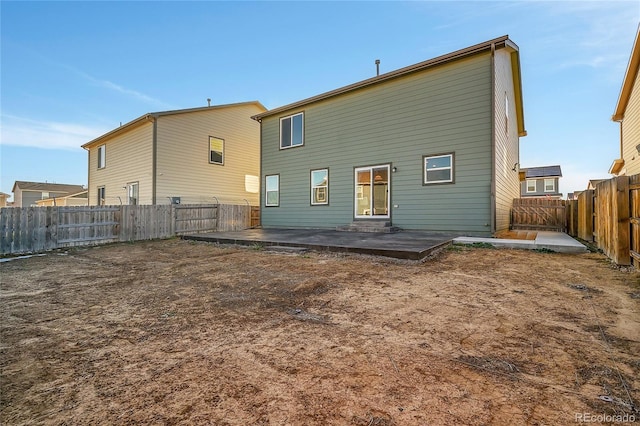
column 177, row 332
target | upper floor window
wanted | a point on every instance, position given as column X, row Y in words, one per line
column 531, row 185
column 438, row 169
column 292, row 131
column 216, row 150
column 549, row 185
column 102, row 156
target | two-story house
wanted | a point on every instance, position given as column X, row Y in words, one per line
column 197, row 155
column 541, row 182
column 431, row 146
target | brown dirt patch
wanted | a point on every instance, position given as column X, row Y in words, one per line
column 175, row 332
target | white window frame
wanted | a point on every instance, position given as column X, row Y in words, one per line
column 529, row 181
column 102, row 156
column 102, row 191
column 291, row 118
column 425, row 159
column 553, row 185
column 321, row 189
column 267, row 190
column 133, row 188
column 360, row 193
column 214, row 138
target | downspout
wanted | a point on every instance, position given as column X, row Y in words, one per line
column 492, row 207
column 154, row 159
column 88, row 176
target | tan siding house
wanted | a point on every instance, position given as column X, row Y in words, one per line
column 26, row 194
column 197, row 155
column 627, row 113
column 78, row 199
column 3, row 199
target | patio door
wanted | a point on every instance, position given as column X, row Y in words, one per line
column 372, row 192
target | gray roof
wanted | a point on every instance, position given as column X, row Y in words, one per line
column 544, row 171
column 47, row 187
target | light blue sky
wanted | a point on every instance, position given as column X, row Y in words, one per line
column 71, row 71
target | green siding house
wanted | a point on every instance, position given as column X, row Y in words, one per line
column 432, row 146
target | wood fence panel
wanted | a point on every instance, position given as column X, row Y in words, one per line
column 255, row 217
column 538, row 214
column 612, row 219
column 634, row 220
column 586, row 215
column 34, row 229
column 193, row 218
column 572, row 217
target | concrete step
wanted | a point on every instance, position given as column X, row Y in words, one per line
column 369, row 226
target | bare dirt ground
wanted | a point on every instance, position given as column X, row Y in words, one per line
column 177, row 332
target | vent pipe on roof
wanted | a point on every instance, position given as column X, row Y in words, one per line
column 377, row 67
column 209, row 101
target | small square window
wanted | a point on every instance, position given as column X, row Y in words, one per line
column 438, row 169
column 272, row 190
column 216, row 150
column 292, row 131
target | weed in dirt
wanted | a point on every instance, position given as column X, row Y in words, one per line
column 544, row 250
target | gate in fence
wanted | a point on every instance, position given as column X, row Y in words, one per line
column 539, row 214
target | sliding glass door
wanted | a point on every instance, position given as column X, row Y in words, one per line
column 372, row 192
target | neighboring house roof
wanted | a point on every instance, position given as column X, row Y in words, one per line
column 47, row 187
column 593, row 182
column 629, row 79
column 151, row 116
column 82, row 194
column 545, row 171
column 499, row 42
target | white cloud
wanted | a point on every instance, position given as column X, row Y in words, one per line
column 19, row 131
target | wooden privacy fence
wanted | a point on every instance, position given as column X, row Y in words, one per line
column 538, row 213
column 609, row 216
column 37, row 229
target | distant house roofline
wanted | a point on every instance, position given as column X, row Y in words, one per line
column 542, row 172
column 151, row 116
column 629, row 80
column 500, row 42
column 46, row 187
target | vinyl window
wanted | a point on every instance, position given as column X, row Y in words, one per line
column 531, row 185
column 292, row 131
column 272, row 190
column 438, row 169
column 133, row 193
column 549, row 185
column 216, row 150
column 319, row 187
column 102, row 156
column 101, row 196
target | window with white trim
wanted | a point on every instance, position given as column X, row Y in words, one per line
column 319, row 187
column 132, row 193
column 272, row 190
column 216, row 150
column 437, row 169
column 531, row 185
column 292, row 131
column 102, row 156
column 101, row 196
column 549, row 185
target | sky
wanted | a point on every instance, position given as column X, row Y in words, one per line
column 72, row 71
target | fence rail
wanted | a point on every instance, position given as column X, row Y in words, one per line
column 37, row 229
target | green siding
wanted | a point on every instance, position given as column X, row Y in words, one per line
column 441, row 110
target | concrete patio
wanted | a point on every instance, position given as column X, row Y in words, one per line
column 413, row 245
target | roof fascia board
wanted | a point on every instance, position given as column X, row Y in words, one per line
column 629, row 79
column 499, row 42
column 154, row 115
